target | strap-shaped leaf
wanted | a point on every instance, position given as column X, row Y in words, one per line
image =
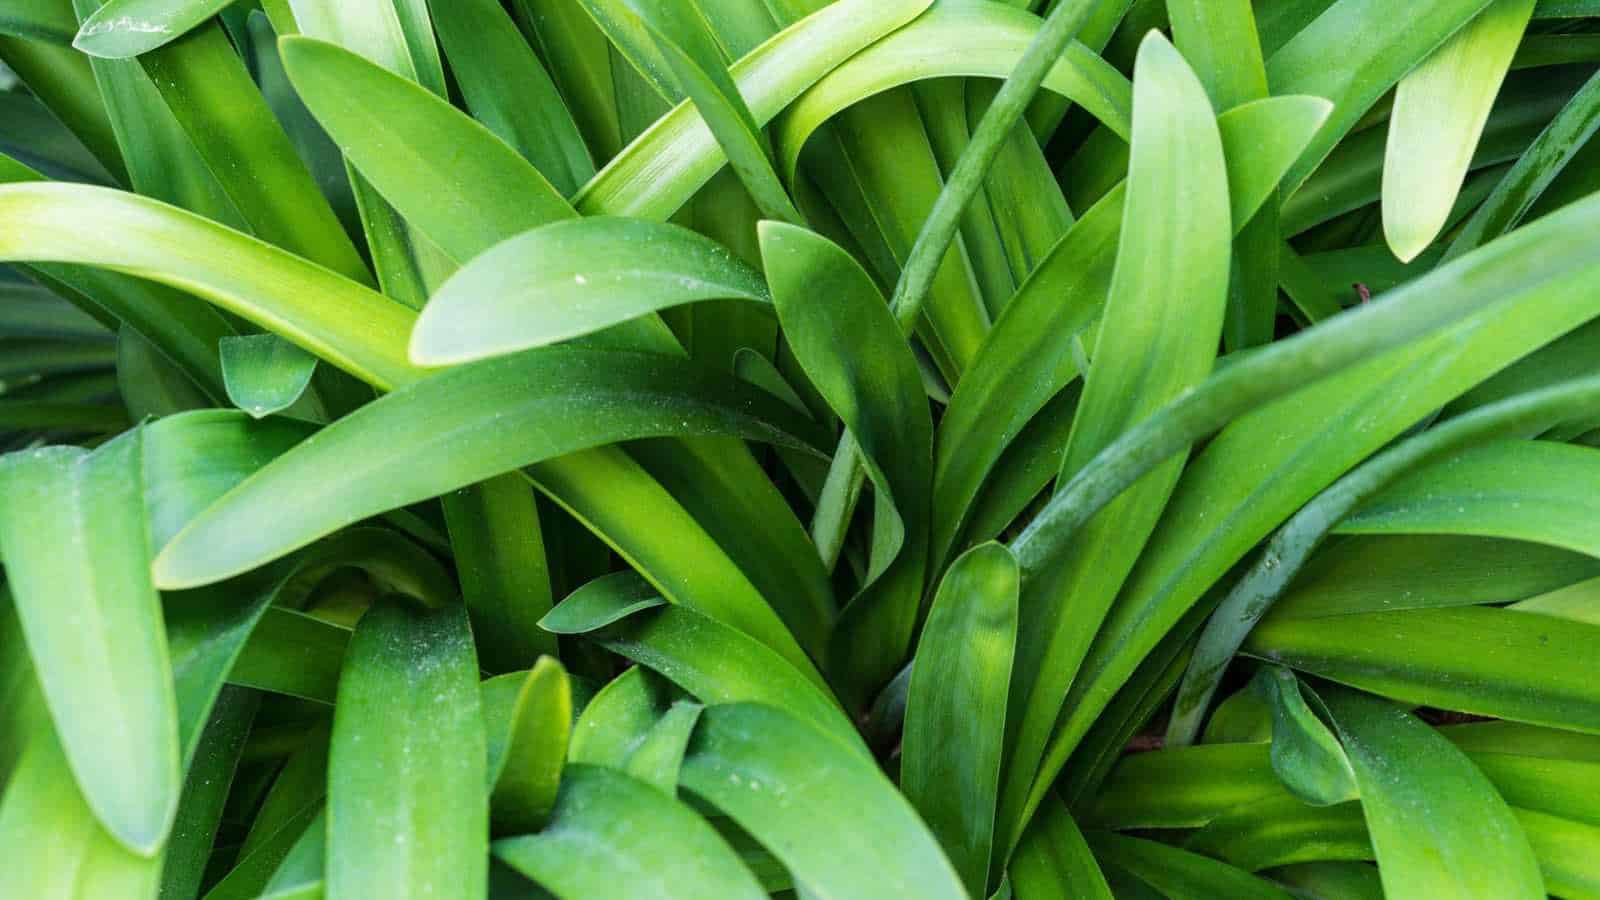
column 1176, row 872
column 527, row 718
column 1440, row 108
column 1053, row 859
column 845, row 338
column 780, row 779
column 46, row 820
column 1438, row 827
column 967, row 39
column 683, row 40
column 457, row 429
column 956, row 707
column 73, row 534
column 1494, row 662
column 508, row 89
column 657, row 174
column 569, row 279
column 42, row 20
column 1154, row 344
column 615, row 836
column 407, row 812
column 1527, row 490
column 395, row 132
column 1371, row 60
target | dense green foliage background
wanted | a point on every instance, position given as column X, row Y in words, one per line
column 868, row 448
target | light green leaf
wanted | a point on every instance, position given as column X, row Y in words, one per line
column 527, row 717
column 615, row 837
column 1438, row 827
column 73, row 534
column 966, row 39
column 956, row 707
column 1154, row 344
column 264, row 373
column 1440, row 109
column 407, row 811
column 686, row 44
column 1377, row 44
column 615, row 722
column 572, row 278
column 781, row 779
column 123, row 28
column 657, row 174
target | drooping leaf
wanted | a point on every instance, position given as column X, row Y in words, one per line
column 73, row 534
column 572, row 278
column 1440, row 109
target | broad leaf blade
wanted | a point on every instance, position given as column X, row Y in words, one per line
column 956, row 707
column 72, row 529
column 264, row 373
column 407, row 812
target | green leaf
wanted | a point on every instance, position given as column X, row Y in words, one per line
column 1181, row 563
column 205, row 791
column 422, row 154
column 1534, row 171
column 658, row 173
column 853, row 352
column 123, row 28
column 1179, row 873
column 1153, row 345
column 1527, row 490
column 1494, row 662
column 615, row 722
column 264, row 373
column 572, row 278
column 341, row 321
column 294, row 654
column 527, row 717
column 1261, row 140
column 42, row 20
column 1053, row 859
column 73, row 534
column 658, row 758
column 956, row 707
column 508, row 90
column 498, row 545
column 1367, row 63
column 710, row 660
column 407, row 812
column 1305, row 754
column 45, row 820
column 691, row 54
column 614, row 836
column 782, row 780
column 1440, row 108
column 1438, row 827
column 456, row 429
